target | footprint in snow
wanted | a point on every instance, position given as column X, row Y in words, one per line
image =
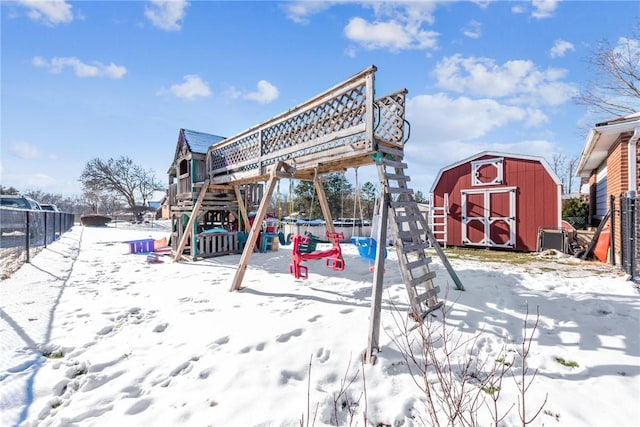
column 286, row 376
column 323, row 354
column 161, row 327
column 286, row 337
column 139, row 406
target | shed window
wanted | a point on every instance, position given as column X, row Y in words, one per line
column 487, row 172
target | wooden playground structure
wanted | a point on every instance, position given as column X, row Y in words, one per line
column 344, row 127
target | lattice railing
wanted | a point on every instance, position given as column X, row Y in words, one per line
column 390, row 125
column 339, row 123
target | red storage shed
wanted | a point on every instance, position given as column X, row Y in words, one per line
column 495, row 200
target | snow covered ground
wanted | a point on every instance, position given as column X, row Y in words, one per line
column 91, row 335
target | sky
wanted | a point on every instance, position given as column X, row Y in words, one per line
column 103, row 79
column 93, row 335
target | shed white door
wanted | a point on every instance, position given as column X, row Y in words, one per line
column 489, row 217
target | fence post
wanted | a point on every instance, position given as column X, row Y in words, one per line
column 27, row 235
column 45, row 229
column 633, row 235
column 612, row 236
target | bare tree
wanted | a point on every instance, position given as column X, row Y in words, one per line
column 615, row 90
column 565, row 169
column 100, row 203
column 557, row 163
column 572, row 164
column 120, row 176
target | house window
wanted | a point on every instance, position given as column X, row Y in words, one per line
column 487, row 172
column 602, row 202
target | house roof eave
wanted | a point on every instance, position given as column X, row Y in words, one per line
column 600, row 140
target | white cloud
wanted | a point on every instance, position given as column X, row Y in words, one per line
column 390, row 35
column 560, row 48
column 544, row 8
column 446, row 129
column 81, row 69
column 397, row 26
column 443, row 118
column 232, row 93
column 473, row 30
column 52, row 12
column 265, row 93
column 350, row 52
column 166, row 14
column 518, row 9
column 24, row 150
column 192, row 87
column 535, row 118
column 628, row 49
column 300, row 11
column 519, row 81
column 25, row 181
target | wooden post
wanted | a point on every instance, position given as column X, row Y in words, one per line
column 243, row 208
column 324, row 205
column 192, row 219
column 378, row 281
column 253, row 234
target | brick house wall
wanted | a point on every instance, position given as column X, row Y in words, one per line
column 617, row 184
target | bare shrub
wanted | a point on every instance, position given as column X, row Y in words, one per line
column 456, row 384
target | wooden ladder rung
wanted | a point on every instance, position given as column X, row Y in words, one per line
column 397, row 177
column 400, row 190
column 430, row 293
column 407, row 218
column 418, row 263
column 393, row 163
column 416, row 247
column 424, row 278
column 410, row 235
column 390, row 150
column 402, row 204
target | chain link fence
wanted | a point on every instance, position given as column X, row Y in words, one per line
column 578, row 222
column 23, row 233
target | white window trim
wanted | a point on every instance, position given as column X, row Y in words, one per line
column 498, row 163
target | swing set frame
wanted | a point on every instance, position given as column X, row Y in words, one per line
column 338, row 129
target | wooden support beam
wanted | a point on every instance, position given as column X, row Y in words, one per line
column 255, row 228
column 373, row 343
column 243, row 208
column 324, row 205
column 443, row 257
column 189, row 228
column 596, row 235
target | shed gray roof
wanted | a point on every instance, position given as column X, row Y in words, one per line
column 199, row 142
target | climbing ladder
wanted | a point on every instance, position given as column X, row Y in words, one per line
column 412, row 235
column 438, row 219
